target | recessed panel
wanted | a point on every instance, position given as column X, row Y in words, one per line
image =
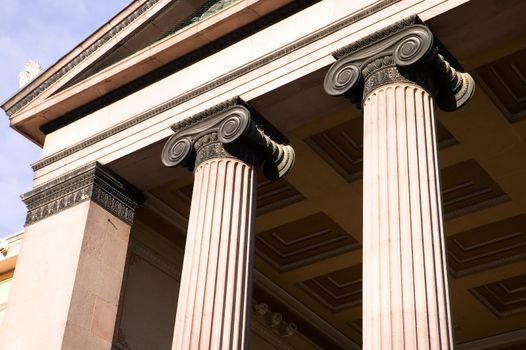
column 148, row 301
column 505, row 82
column 342, row 146
column 337, row 290
column 487, row 246
column 303, row 241
column 504, row 298
column 272, row 195
column 466, row 187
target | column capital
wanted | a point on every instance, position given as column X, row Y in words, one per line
column 404, row 52
column 91, row 182
column 231, row 129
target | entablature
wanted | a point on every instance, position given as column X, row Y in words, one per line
column 249, row 68
column 70, row 86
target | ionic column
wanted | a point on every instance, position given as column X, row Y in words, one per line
column 398, row 74
column 226, row 143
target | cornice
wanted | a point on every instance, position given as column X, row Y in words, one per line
column 404, row 52
column 91, row 182
column 231, row 129
column 203, row 89
column 81, row 57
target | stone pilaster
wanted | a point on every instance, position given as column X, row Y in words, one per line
column 226, row 143
column 68, row 276
column 397, row 74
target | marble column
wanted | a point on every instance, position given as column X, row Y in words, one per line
column 226, row 143
column 398, row 74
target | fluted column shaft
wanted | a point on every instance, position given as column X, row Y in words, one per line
column 397, row 74
column 225, row 144
column 405, row 286
column 215, row 293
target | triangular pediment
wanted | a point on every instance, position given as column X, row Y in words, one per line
column 77, row 76
column 174, row 16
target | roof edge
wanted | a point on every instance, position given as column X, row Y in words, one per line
column 76, row 55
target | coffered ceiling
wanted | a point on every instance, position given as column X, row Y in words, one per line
column 309, row 225
column 504, row 80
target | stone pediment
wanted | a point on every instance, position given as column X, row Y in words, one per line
column 142, row 38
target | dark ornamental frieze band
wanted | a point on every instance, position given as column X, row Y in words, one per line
column 231, row 129
column 90, row 182
column 405, row 52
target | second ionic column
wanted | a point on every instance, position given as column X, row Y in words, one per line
column 226, row 144
column 397, row 75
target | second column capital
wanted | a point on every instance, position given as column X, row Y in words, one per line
column 231, row 129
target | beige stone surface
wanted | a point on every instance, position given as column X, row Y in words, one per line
column 147, row 314
column 213, row 310
column 405, row 283
column 67, row 282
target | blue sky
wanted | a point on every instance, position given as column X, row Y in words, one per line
column 42, row 30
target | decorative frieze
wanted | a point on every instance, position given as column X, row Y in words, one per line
column 230, row 129
column 405, row 52
column 90, row 182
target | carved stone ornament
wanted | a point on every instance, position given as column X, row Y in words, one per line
column 91, row 182
column 230, row 129
column 273, row 320
column 4, row 247
column 32, row 69
column 405, row 52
